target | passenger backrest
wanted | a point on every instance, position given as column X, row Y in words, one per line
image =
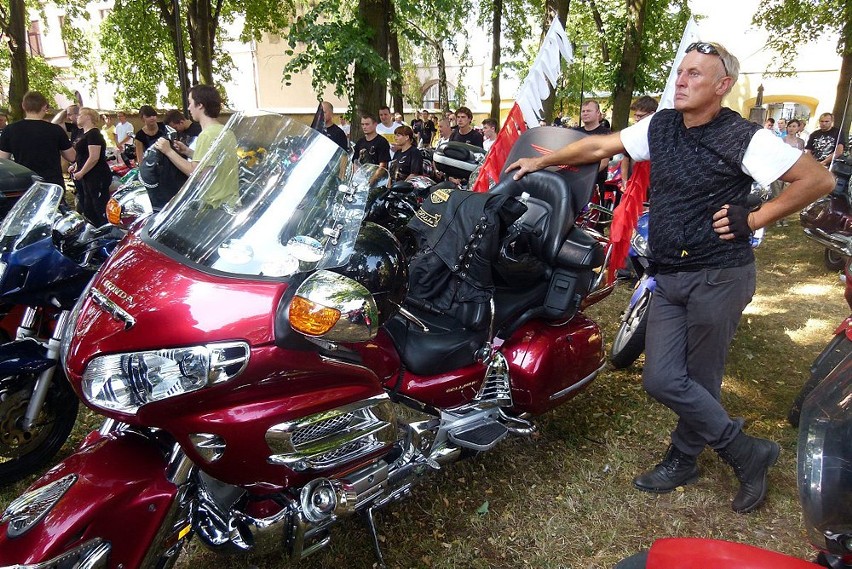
column 550, row 210
column 543, row 140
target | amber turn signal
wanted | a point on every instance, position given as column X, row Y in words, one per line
column 113, row 212
column 311, row 318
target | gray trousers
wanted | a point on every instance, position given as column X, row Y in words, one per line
column 691, row 323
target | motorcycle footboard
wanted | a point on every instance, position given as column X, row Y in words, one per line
column 111, row 499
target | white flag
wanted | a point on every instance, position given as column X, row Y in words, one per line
column 690, row 35
column 544, row 73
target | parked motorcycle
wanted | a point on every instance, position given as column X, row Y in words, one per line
column 47, row 256
column 837, row 350
column 828, row 221
column 265, row 374
column 629, row 341
column 824, row 459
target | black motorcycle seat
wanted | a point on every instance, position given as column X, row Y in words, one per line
column 446, row 346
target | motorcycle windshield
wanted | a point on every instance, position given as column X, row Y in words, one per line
column 31, row 219
column 271, row 198
column 825, row 461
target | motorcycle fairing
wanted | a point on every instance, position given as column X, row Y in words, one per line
column 280, row 386
column 24, row 357
column 202, row 307
column 698, row 553
column 121, row 482
column 38, row 272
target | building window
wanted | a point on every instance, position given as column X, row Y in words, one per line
column 62, row 35
column 34, row 39
column 431, row 99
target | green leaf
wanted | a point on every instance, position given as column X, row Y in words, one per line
column 483, row 509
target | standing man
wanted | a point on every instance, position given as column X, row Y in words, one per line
column 824, row 144
column 590, row 115
column 124, row 136
column 781, row 131
column 205, row 104
column 187, row 130
column 36, row 143
column 465, row 131
column 4, row 120
column 427, row 131
column 372, row 148
column 445, row 131
column 489, row 132
column 68, row 118
column 334, row 132
column 387, row 127
column 703, row 159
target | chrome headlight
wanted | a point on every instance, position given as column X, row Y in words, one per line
column 29, row 508
column 126, row 382
column 640, row 244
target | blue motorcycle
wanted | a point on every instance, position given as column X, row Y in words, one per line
column 629, row 342
column 47, row 257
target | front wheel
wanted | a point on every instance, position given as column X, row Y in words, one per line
column 629, row 342
column 834, row 261
column 25, row 451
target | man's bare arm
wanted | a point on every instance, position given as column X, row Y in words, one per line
column 808, row 182
column 590, row 150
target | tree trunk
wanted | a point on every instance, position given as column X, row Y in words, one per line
column 496, row 25
column 625, row 79
column 843, row 101
column 368, row 93
column 561, row 8
column 202, row 30
column 19, row 82
column 596, row 14
column 394, row 61
column 167, row 17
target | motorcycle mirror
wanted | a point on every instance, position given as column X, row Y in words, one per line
column 68, row 226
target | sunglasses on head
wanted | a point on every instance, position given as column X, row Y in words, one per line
column 707, row 49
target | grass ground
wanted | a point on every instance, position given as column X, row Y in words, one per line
column 563, row 498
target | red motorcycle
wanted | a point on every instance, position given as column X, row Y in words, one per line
column 828, row 221
column 825, row 482
column 265, row 374
column 837, row 350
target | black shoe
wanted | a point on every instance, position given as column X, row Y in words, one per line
column 676, row 469
column 750, row 458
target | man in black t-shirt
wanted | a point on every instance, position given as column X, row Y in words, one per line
column 187, row 130
column 332, row 131
column 372, row 148
column 824, row 143
column 591, row 116
column 36, row 143
column 466, row 133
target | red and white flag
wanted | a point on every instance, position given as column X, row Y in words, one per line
column 527, row 110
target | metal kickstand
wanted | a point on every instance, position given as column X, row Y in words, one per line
column 370, row 520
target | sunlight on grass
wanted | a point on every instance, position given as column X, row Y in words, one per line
column 762, row 305
column 812, row 289
column 815, row 330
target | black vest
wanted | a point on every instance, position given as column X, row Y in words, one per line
column 694, row 172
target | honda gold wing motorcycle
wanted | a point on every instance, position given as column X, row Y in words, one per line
column 47, row 257
column 265, row 374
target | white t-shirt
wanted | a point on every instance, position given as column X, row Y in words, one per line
column 386, row 132
column 766, row 159
column 487, row 143
column 122, row 130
